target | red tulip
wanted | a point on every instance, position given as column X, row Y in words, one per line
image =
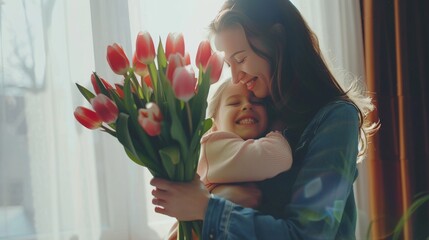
column 117, row 59
column 119, row 90
column 145, row 49
column 184, row 83
column 187, row 59
column 148, row 81
column 150, row 119
column 203, row 54
column 106, row 84
column 105, row 108
column 174, row 61
column 175, row 44
column 215, row 64
column 87, row 118
column 139, row 67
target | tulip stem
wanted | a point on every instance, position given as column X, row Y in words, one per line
column 188, row 110
column 108, row 130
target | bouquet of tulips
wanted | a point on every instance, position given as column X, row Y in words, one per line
column 158, row 112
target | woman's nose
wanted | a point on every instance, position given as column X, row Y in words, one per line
column 237, row 74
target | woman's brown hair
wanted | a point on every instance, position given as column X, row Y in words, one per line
column 301, row 81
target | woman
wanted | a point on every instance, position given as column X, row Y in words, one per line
column 271, row 50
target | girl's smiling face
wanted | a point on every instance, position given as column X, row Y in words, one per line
column 247, row 67
column 241, row 112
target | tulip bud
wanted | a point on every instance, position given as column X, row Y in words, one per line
column 117, row 59
column 184, row 83
column 95, row 85
column 105, row 108
column 215, row 64
column 174, row 61
column 87, row 118
column 145, row 49
column 175, row 44
column 148, row 121
column 203, row 54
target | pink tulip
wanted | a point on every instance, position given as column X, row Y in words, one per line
column 154, row 109
column 215, row 64
column 175, row 44
column 145, row 49
column 203, row 54
column 106, row 84
column 184, row 83
column 150, row 119
column 105, row 108
column 174, row 61
column 87, row 118
column 117, row 59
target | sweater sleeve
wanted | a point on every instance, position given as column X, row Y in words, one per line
column 323, row 189
column 228, row 158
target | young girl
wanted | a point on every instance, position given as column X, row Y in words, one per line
column 237, row 148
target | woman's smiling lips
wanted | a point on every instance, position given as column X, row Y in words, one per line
column 250, row 84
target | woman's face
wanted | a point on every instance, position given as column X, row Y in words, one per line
column 240, row 112
column 247, row 67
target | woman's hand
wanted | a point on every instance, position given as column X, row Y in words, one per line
column 184, row 201
column 244, row 194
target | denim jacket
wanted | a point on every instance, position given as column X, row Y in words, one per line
column 314, row 199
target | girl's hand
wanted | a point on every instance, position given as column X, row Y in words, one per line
column 184, row 201
column 244, row 194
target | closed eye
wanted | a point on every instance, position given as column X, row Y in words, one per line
column 240, row 60
column 233, row 103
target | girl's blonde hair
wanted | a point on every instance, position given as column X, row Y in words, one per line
column 213, row 101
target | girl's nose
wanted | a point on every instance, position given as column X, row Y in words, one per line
column 247, row 106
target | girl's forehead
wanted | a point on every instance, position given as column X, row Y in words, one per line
column 235, row 89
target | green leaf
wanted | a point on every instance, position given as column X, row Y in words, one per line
column 124, row 138
column 176, row 129
column 118, row 101
column 162, row 59
column 153, row 75
column 170, row 157
column 132, row 147
column 199, row 102
column 128, row 98
column 414, row 206
column 100, row 84
column 202, row 128
column 85, row 92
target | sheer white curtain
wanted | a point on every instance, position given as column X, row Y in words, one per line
column 59, row 180
column 337, row 24
column 48, row 186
